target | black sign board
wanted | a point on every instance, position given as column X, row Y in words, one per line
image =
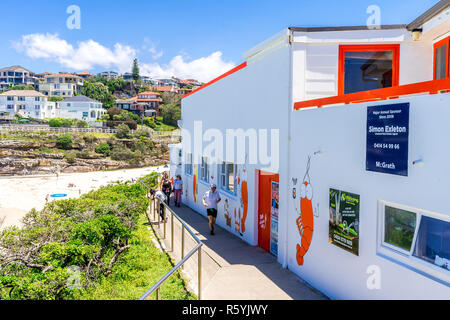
column 387, row 139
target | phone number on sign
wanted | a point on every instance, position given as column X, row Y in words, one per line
column 387, row 146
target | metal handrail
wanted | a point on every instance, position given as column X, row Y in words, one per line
column 198, row 248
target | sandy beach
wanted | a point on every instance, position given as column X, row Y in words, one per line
column 18, row 195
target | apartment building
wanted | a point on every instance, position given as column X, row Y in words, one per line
column 16, row 75
column 26, row 103
column 61, row 85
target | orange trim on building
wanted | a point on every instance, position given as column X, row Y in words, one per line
column 239, row 67
column 395, row 48
column 431, row 87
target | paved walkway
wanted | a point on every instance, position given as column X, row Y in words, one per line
column 232, row 269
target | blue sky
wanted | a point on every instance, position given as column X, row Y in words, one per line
column 169, row 36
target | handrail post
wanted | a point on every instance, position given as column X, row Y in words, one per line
column 159, row 213
column 182, row 244
column 171, row 232
column 158, row 297
column 165, row 219
column 200, row 273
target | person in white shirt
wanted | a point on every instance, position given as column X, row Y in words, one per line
column 210, row 201
column 161, row 196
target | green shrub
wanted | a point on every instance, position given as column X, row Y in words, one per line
column 121, row 152
column 70, row 157
column 64, row 142
column 123, row 131
column 103, row 148
column 142, row 132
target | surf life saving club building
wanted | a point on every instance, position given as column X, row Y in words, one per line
column 356, row 200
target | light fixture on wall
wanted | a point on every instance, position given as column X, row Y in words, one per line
column 416, row 33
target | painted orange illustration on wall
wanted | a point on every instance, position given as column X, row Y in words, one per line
column 305, row 222
column 195, row 183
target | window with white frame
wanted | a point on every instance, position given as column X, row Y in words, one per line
column 204, row 170
column 228, row 176
column 417, row 238
column 188, row 165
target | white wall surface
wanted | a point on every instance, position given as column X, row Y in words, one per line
column 256, row 97
column 340, row 134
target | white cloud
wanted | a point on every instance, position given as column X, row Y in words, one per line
column 90, row 54
column 203, row 69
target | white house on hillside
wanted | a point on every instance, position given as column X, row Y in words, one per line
column 81, row 108
column 61, row 85
column 27, row 103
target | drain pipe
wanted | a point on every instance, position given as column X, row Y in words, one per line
column 290, row 106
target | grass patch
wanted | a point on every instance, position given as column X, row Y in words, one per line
column 137, row 271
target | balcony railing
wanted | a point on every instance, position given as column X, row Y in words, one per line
column 427, row 87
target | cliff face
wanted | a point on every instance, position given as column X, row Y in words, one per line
column 23, row 158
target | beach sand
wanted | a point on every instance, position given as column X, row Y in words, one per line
column 18, row 195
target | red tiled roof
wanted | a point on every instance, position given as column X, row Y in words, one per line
column 164, row 89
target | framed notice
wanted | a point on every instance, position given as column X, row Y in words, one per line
column 387, row 139
column 274, row 200
column 344, row 220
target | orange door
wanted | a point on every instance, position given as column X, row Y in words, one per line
column 264, row 205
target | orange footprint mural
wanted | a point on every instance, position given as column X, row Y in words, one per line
column 305, row 221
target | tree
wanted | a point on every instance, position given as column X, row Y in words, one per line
column 135, row 70
column 171, row 113
column 103, row 148
column 98, row 91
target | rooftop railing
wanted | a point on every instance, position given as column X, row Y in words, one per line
column 427, row 87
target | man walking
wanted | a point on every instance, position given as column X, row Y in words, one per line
column 210, row 201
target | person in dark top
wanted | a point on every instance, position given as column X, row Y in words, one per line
column 166, row 187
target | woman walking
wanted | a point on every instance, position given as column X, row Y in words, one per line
column 178, row 190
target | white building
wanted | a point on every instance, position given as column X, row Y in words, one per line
column 27, row 103
column 351, row 196
column 61, row 85
column 81, row 108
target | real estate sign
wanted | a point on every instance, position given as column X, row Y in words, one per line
column 274, row 201
column 387, row 139
column 344, row 220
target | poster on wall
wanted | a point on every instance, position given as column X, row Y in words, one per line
column 387, row 139
column 344, row 220
column 274, row 199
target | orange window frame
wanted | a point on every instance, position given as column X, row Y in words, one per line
column 436, row 46
column 395, row 48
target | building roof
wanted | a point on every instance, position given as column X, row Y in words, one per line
column 15, row 69
column 148, row 93
column 64, row 75
column 429, row 14
column 125, row 101
column 163, row 89
column 22, row 93
column 84, row 74
column 80, row 99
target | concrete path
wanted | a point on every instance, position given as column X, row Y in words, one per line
column 232, row 269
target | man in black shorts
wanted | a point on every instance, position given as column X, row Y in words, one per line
column 210, row 201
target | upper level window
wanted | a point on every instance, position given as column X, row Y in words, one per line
column 368, row 67
column 441, row 59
